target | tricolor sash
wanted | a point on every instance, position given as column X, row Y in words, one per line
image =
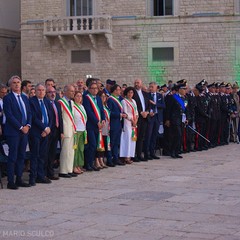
column 133, row 108
column 107, row 115
column 117, row 101
column 83, row 115
column 95, row 107
column 134, row 111
column 67, row 109
column 100, row 146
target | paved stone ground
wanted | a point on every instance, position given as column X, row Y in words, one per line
column 194, row 198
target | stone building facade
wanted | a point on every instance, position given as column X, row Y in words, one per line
column 124, row 39
column 10, row 44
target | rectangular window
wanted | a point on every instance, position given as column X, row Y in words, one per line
column 162, row 7
column 81, row 7
column 162, row 54
column 81, row 56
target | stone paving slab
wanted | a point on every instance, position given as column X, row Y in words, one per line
column 194, row 198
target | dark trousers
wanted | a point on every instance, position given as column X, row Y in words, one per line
column 175, row 133
column 151, row 136
column 167, row 141
column 39, row 150
column 90, row 148
column 142, row 126
column 17, row 149
column 52, row 150
column 202, row 129
column 224, row 137
column 115, row 136
column 190, row 137
column 213, row 132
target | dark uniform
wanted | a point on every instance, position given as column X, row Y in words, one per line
column 201, row 121
column 224, row 128
column 192, row 103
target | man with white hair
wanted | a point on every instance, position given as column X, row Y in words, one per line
column 18, row 122
column 69, row 129
column 41, row 127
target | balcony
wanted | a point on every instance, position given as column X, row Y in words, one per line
column 79, row 26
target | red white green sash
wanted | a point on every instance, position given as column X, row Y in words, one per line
column 67, row 109
column 82, row 113
column 117, row 101
column 107, row 113
column 133, row 108
column 95, row 107
column 134, row 111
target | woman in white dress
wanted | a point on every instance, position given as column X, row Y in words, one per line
column 128, row 137
column 80, row 119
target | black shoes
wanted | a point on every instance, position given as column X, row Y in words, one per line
column 22, row 184
column 95, row 168
column 64, row 175
column 111, row 164
column 176, row 156
column 12, row 186
column 73, row 174
column 154, row 157
column 44, row 180
column 120, row 163
column 53, row 178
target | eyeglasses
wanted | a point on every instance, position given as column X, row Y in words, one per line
column 51, row 92
column 94, row 88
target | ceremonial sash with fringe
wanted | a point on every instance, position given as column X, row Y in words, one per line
column 134, row 110
column 83, row 115
column 117, row 101
column 100, row 145
column 67, row 109
column 107, row 115
column 95, row 107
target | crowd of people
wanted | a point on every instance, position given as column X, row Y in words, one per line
column 98, row 126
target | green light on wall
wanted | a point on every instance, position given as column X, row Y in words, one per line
column 237, row 73
column 157, row 72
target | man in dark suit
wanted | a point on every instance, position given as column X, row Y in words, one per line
column 116, row 116
column 57, row 131
column 142, row 102
column 41, row 128
column 176, row 116
column 96, row 120
column 18, row 122
column 155, row 118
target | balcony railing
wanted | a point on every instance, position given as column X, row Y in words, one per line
column 78, row 25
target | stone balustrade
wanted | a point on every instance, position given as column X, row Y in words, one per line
column 81, row 25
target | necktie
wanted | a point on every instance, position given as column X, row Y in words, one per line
column 95, row 100
column 44, row 114
column 56, row 114
column 70, row 105
column 24, row 120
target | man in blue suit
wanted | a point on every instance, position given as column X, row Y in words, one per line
column 96, row 120
column 18, row 122
column 42, row 115
column 154, row 120
column 116, row 116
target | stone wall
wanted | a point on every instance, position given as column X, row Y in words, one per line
column 205, row 46
column 10, row 60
